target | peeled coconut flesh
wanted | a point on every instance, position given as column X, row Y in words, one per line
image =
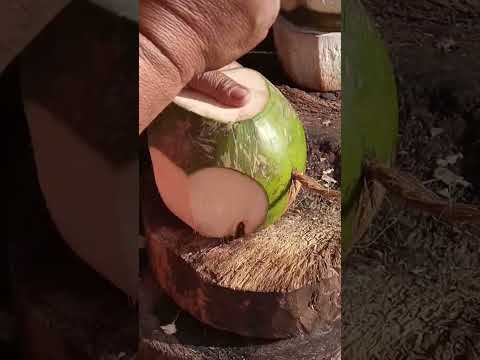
column 227, row 171
column 370, row 110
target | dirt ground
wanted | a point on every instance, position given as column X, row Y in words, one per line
column 410, row 287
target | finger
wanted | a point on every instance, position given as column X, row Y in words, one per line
column 221, row 88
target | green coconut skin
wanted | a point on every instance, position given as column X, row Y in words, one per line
column 369, row 108
column 267, row 148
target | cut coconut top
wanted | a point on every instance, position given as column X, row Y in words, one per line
column 209, row 108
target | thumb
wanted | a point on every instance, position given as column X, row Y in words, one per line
column 220, row 87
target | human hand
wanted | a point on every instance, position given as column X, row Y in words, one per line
column 220, row 87
column 182, row 39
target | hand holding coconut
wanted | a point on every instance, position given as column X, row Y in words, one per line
column 181, row 39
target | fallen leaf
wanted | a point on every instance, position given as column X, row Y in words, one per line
column 449, row 178
column 452, row 159
column 449, row 160
column 328, row 179
column 169, row 329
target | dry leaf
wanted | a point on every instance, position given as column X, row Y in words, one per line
column 328, row 179
column 449, row 178
column 449, row 160
column 452, row 159
column 169, row 329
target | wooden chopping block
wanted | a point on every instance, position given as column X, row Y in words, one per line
column 279, row 283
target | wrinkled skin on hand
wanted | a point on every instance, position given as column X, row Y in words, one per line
column 182, row 39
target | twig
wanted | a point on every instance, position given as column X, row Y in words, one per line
column 417, row 196
column 313, row 185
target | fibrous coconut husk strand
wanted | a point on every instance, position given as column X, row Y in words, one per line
column 291, row 255
column 370, row 201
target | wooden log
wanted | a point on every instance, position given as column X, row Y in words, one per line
column 281, row 282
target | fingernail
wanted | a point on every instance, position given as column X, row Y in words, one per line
column 239, row 93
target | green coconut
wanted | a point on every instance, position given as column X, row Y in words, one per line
column 228, row 171
column 369, row 108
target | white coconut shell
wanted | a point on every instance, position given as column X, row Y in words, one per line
column 311, row 59
column 321, row 6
